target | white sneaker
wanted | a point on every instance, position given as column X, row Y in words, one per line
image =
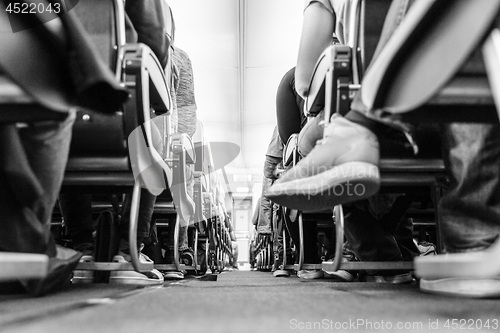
column 426, row 248
column 312, row 274
column 173, row 275
column 82, row 276
column 340, row 275
column 153, row 277
column 463, row 287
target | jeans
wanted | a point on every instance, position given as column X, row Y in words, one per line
column 31, row 173
column 470, row 209
column 183, row 231
column 146, row 209
column 278, row 225
column 264, row 224
column 394, row 17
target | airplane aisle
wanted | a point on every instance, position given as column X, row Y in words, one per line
column 241, row 301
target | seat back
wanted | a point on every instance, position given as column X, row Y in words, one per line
column 100, row 141
column 102, row 21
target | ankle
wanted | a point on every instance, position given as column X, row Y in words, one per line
column 358, row 118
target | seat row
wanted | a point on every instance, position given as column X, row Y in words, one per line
column 124, row 145
column 465, row 96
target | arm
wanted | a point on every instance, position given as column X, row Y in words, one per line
column 186, row 102
column 317, row 31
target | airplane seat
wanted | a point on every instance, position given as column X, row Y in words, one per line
column 415, row 73
column 336, row 78
column 39, row 82
column 100, row 157
column 344, row 65
column 158, row 158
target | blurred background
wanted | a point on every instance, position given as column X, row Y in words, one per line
column 240, row 50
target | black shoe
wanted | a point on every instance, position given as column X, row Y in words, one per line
column 59, row 273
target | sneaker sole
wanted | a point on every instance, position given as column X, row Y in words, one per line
column 135, row 281
column 281, row 273
column 310, row 275
column 463, row 287
column 342, row 184
column 82, row 280
column 341, row 275
column 398, row 279
column 173, row 276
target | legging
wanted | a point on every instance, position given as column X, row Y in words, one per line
column 289, row 107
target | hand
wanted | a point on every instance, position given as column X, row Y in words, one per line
column 270, row 166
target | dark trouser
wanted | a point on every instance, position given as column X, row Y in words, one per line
column 278, row 226
column 289, row 106
column 310, row 238
column 76, row 210
column 470, row 210
column 31, row 174
column 146, row 209
column 389, row 238
column 77, row 214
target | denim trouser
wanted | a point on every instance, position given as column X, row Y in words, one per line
column 31, row 173
column 278, row 225
column 183, row 230
column 264, row 223
column 470, row 210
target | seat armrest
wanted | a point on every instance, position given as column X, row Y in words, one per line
column 290, row 152
column 336, row 60
column 140, row 59
column 181, row 142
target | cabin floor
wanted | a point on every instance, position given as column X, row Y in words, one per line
column 246, row 301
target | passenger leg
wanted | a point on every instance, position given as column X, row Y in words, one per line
column 146, row 208
column 76, row 210
column 278, row 242
column 373, row 234
column 31, row 174
column 289, row 112
column 470, row 214
column 470, row 209
column 186, row 252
